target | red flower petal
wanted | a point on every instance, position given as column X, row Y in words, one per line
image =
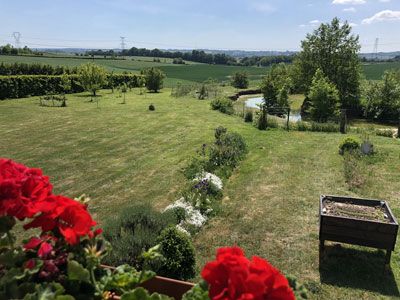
column 32, row 243
column 45, row 249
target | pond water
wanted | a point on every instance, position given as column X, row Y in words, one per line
column 256, row 102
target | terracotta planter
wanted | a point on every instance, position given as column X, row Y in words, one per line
column 163, row 285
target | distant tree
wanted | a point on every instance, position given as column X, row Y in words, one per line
column 323, row 97
column 270, row 92
column 240, row 80
column 154, row 79
column 124, row 89
column 178, row 61
column 381, row 100
column 281, row 74
column 333, row 49
column 92, row 77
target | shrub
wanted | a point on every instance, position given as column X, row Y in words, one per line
column 195, row 167
column 302, row 126
column 248, row 116
column 228, row 149
column 349, row 144
column 240, row 80
column 134, row 230
column 224, row 105
column 152, row 107
column 154, row 79
column 181, row 90
column 179, row 256
column 92, row 77
column 324, row 127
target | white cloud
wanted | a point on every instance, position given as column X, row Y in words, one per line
column 384, row 15
column 262, row 7
column 349, row 9
column 384, row 1
column 349, row 2
column 315, row 22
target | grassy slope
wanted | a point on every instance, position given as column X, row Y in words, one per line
column 374, row 71
column 123, row 154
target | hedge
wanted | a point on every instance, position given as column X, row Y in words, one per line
column 20, row 86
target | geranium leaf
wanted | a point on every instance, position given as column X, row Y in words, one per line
column 142, row 294
column 77, row 272
column 6, row 223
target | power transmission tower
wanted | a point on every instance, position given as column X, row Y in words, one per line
column 17, row 38
column 122, row 42
column 376, row 48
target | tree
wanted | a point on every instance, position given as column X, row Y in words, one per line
column 270, row 91
column 381, row 100
column 92, row 77
column 333, row 49
column 240, row 80
column 154, row 79
column 323, row 97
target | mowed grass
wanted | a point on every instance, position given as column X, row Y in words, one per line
column 122, row 154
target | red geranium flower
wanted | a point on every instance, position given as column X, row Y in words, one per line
column 22, row 190
column 232, row 276
column 68, row 216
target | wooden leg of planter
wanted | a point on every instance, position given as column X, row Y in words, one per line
column 387, row 259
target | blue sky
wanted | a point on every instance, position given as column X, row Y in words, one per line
column 214, row 24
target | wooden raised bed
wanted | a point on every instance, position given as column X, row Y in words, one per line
column 376, row 229
column 163, row 285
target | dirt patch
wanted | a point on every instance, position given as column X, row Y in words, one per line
column 351, row 210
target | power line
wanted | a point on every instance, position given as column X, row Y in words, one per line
column 17, row 37
column 122, row 42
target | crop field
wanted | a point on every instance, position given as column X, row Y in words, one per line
column 120, row 154
column 191, row 72
column 374, row 71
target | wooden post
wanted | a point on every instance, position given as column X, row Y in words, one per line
column 398, row 127
column 343, row 121
column 288, row 116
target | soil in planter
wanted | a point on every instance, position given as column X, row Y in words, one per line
column 351, row 210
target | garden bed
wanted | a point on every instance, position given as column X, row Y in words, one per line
column 357, row 221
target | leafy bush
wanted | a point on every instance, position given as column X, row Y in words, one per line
column 178, row 252
column 302, row 126
column 152, row 107
column 248, row 116
column 224, row 105
column 154, row 79
column 228, row 149
column 133, row 231
column 349, row 144
column 240, row 80
column 196, row 166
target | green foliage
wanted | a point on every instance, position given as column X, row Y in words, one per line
column 178, row 61
column 299, row 290
column 133, row 231
column 198, row 292
column 260, row 121
column 178, row 252
column 181, row 90
column 381, row 100
column 248, row 116
column 92, row 77
column 142, row 294
column 270, row 91
column 240, row 80
column 196, row 166
column 154, row 79
column 17, row 68
column 349, row 144
column 203, row 93
column 384, row 132
column 316, row 127
column 229, row 148
column 334, row 49
column 125, row 278
column 53, row 101
column 224, row 105
column 323, row 97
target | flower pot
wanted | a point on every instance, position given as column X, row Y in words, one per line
column 163, row 285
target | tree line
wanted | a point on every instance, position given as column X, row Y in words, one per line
column 10, row 50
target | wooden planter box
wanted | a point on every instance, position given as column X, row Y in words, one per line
column 163, row 285
column 357, row 231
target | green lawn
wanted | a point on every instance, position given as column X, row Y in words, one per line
column 123, row 154
column 374, row 71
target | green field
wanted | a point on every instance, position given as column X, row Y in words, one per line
column 124, row 154
column 374, row 71
column 191, row 72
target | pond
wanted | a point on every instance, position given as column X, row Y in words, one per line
column 256, row 102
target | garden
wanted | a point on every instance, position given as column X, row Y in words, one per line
column 113, row 186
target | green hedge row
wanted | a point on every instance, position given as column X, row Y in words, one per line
column 21, row 86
